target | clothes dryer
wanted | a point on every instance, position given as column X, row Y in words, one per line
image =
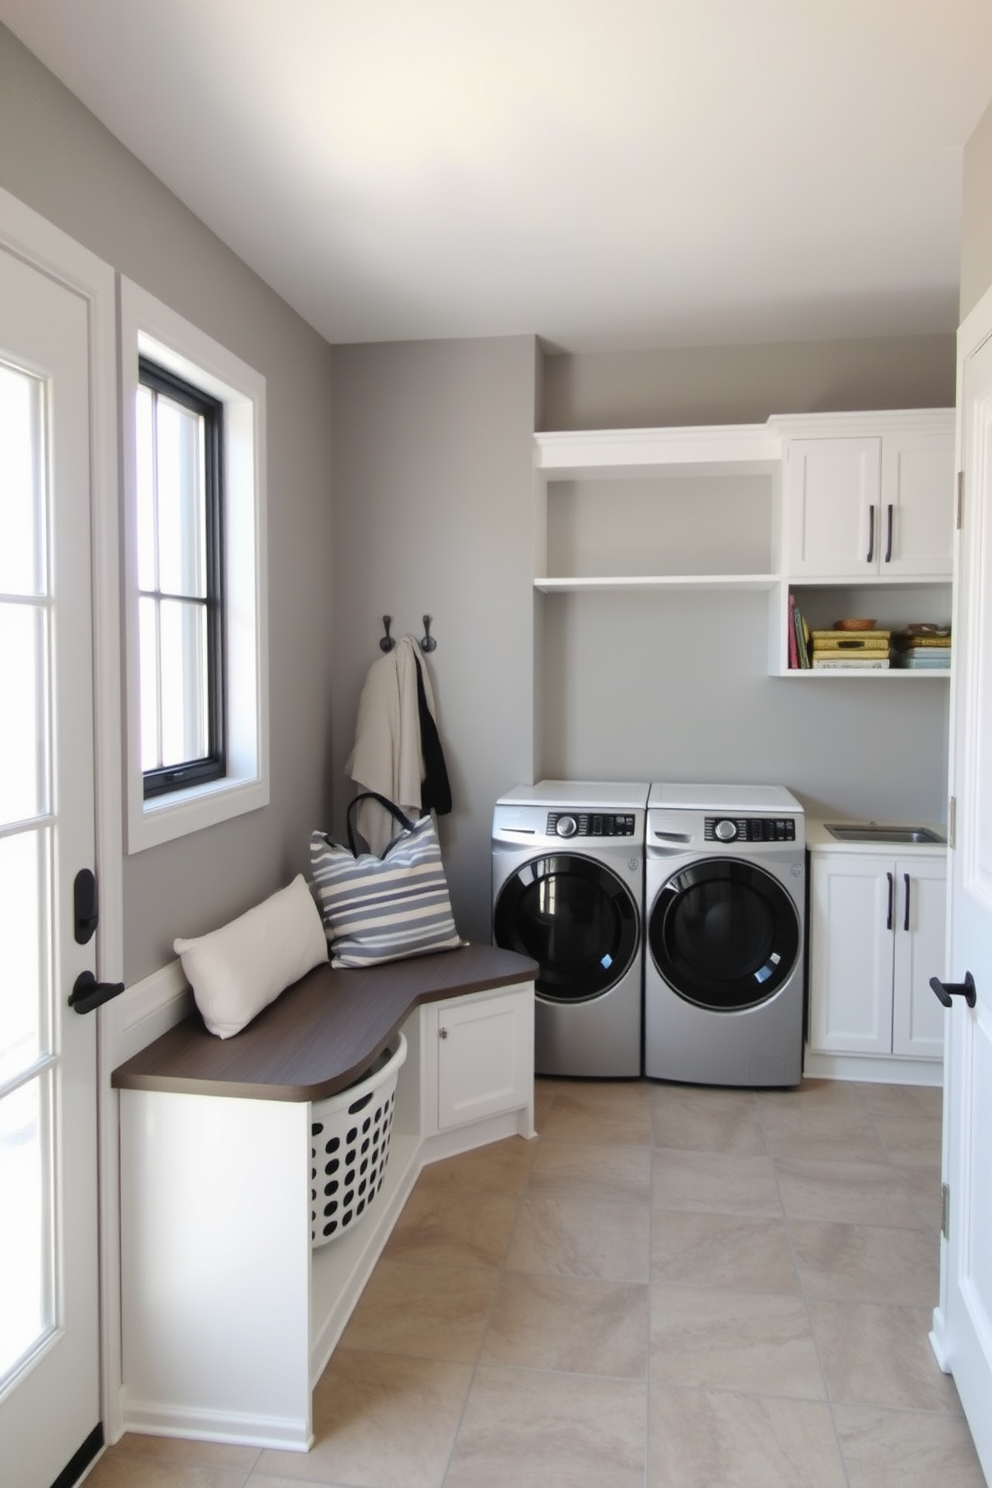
column 568, row 884
column 724, row 982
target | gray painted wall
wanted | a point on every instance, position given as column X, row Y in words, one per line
column 976, row 223
column 432, row 515
column 746, row 384
column 59, row 159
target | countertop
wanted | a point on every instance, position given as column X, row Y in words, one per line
column 321, row 1034
column 818, row 838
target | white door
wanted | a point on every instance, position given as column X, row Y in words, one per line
column 963, row 1323
column 49, row 1294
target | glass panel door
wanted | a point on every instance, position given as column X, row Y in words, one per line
column 28, row 1311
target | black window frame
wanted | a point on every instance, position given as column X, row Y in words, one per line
column 213, row 765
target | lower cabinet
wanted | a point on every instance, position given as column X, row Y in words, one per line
column 876, row 938
column 478, row 1057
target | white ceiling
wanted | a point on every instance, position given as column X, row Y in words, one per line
column 605, row 173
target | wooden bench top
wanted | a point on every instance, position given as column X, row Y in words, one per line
column 321, row 1034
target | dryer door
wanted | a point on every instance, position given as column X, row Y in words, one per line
column 724, row 934
column 575, row 918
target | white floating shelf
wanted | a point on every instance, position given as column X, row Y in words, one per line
column 679, row 582
column 725, row 449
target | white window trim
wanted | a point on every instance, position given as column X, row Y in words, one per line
column 149, row 328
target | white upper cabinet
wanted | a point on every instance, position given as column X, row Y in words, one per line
column 869, row 496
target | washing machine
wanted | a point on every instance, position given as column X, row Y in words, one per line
column 725, row 904
column 568, row 884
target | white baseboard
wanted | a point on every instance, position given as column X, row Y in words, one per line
column 882, row 1069
column 283, row 1433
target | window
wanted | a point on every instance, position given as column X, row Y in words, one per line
column 180, row 581
column 193, row 431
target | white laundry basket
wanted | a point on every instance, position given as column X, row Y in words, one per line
column 349, row 1145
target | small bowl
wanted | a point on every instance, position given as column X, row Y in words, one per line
column 856, row 624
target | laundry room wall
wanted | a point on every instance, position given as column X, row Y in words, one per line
column 58, row 159
column 976, row 216
column 432, row 480
column 664, row 686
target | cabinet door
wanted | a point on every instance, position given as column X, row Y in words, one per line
column 851, row 948
column 485, row 1057
column 917, row 1016
column 917, row 505
column 833, row 497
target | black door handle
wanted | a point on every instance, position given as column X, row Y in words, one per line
column 888, row 545
column 946, row 990
column 871, row 534
column 87, row 993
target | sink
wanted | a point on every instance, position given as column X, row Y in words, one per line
column 858, row 832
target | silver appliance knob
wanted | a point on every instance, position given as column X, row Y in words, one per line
column 566, row 826
column 725, row 831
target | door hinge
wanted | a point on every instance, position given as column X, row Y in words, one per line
column 952, row 821
column 959, row 519
column 945, row 1210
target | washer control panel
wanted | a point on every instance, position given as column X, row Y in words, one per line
column 750, row 829
column 590, row 824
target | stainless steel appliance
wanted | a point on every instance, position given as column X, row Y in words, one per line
column 568, row 882
column 724, row 915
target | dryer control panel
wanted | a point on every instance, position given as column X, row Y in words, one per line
column 590, row 824
column 750, row 829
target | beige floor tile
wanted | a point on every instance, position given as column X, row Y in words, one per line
column 500, row 1168
column 120, row 1470
column 823, row 1134
column 591, row 1172
column 878, row 1355
column 177, row 1450
column 733, row 1341
column 901, row 1449
column 696, row 1118
column 429, row 1312
column 848, row 1192
column 573, row 1325
column 550, row 1431
column 903, row 1100
column 600, row 1111
column 812, row 1095
column 867, row 1262
column 453, row 1229
column 379, row 1422
column 702, row 1439
column 741, row 1251
column 911, row 1139
column 714, row 1180
column 924, row 1189
column 564, row 1237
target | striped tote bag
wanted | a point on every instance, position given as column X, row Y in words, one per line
column 383, row 909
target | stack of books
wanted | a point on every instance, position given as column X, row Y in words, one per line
column 922, row 648
column 855, row 649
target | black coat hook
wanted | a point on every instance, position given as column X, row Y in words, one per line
column 428, row 643
column 387, row 643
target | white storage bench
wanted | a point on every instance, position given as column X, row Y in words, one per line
column 229, row 1316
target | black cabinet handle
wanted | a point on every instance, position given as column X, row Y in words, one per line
column 87, row 993
column 946, row 990
column 905, row 920
column 871, row 534
column 892, row 889
column 888, row 541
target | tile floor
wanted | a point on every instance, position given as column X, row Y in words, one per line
column 671, row 1287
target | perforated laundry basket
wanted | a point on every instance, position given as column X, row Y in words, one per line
column 349, row 1145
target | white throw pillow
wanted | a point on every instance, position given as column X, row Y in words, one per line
column 239, row 969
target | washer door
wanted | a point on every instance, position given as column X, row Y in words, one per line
column 575, row 918
column 724, row 934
